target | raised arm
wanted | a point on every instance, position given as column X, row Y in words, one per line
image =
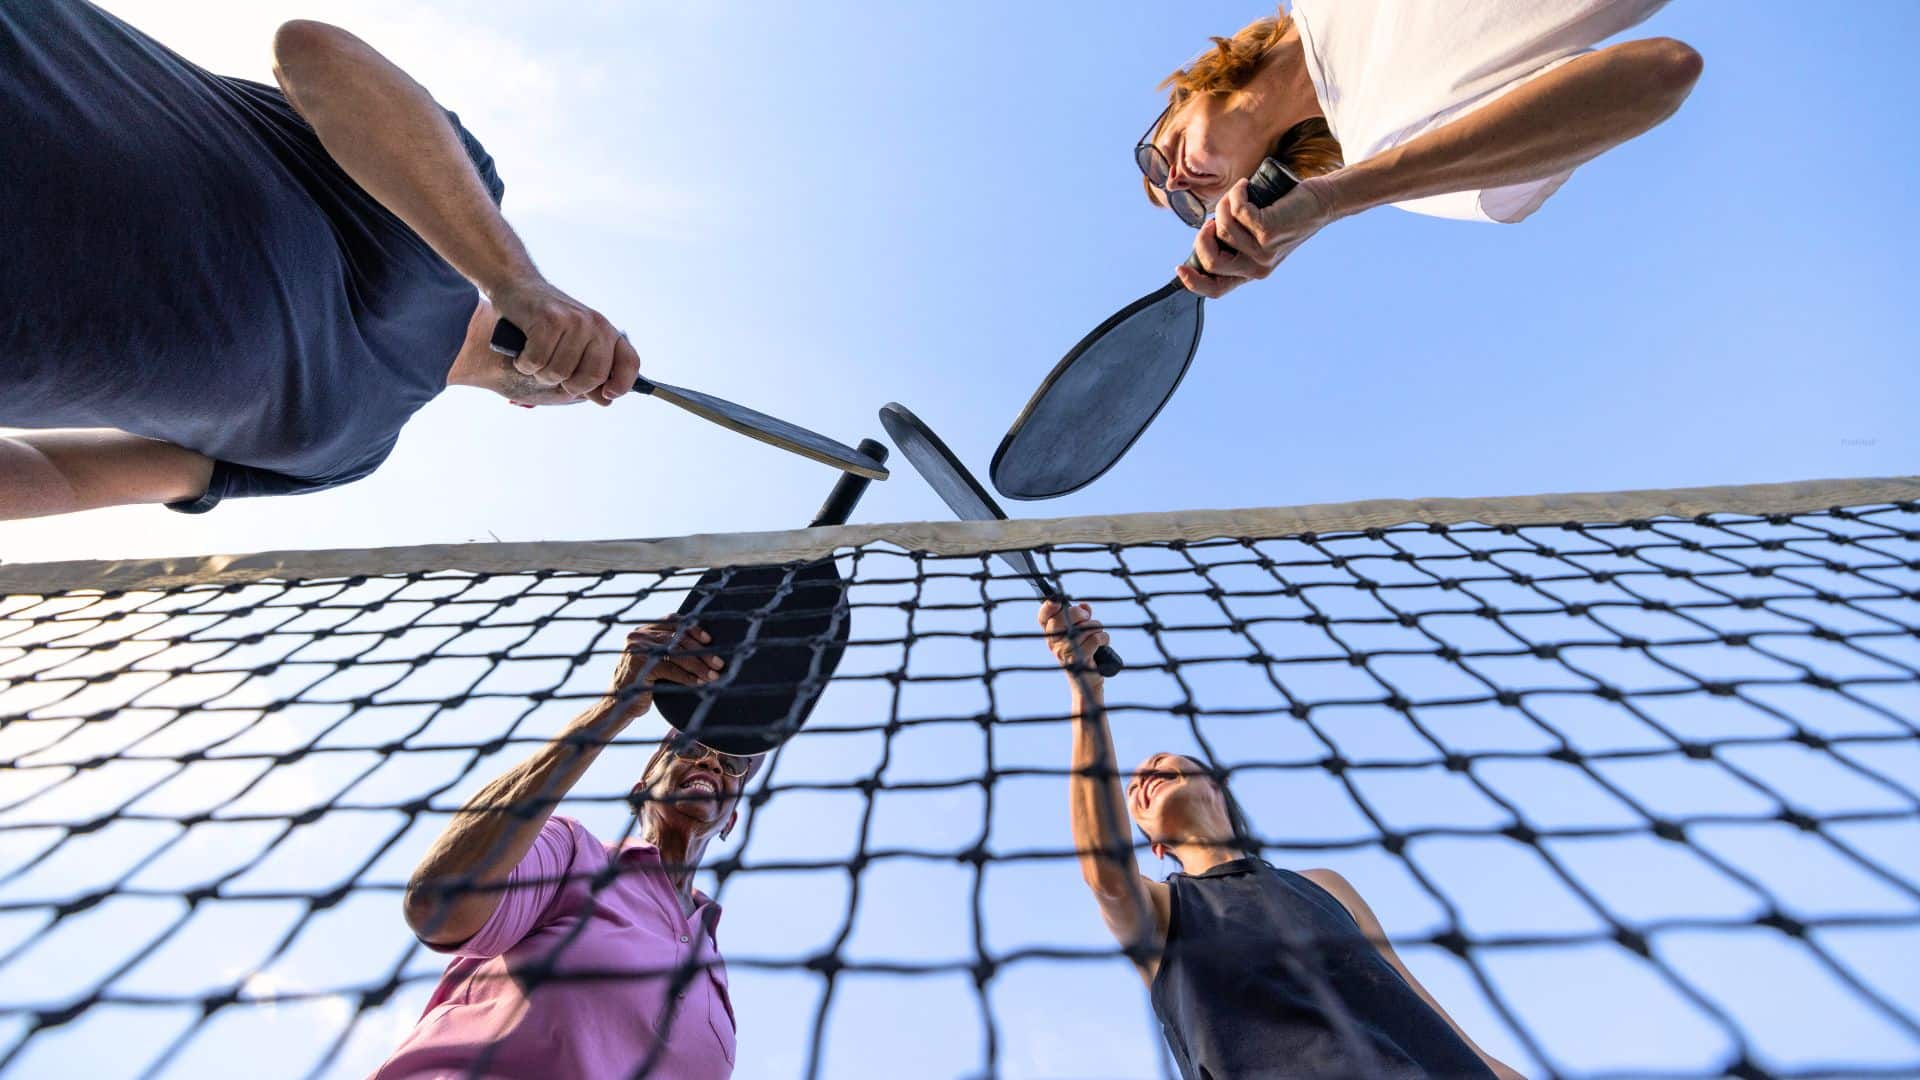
column 456, row 887
column 1553, row 123
column 1370, row 926
column 61, row 472
column 386, row 132
column 1133, row 907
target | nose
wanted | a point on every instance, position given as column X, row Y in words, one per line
column 1177, row 179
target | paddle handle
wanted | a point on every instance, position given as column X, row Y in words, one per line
column 509, row 340
column 1268, row 183
column 1105, row 660
column 846, row 493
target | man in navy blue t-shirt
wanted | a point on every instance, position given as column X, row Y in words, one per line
column 215, row 288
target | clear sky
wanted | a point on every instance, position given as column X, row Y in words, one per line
column 819, row 208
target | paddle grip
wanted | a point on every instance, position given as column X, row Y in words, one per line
column 1268, row 183
column 846, row 493
column 1105, row 660
column 509, row 340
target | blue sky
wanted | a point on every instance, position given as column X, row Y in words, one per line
column 820, row 208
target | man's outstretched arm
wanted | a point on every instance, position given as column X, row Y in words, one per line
column 1553, row 123
column 61, row 472
column 386, row 132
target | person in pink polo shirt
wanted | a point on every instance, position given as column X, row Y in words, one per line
column 574, row 957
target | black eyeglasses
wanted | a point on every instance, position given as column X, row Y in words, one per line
column 733, row 765
column 1153, row 165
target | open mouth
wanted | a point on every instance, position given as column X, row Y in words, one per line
column 701, row 784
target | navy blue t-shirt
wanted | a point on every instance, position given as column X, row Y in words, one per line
column 184, row 261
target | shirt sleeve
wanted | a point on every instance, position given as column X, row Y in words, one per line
column 230, row 481
column 1387, row 72
column 529, row 893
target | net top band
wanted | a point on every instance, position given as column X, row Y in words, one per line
column 951, row 537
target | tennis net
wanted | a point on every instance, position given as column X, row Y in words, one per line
column 1632, row 780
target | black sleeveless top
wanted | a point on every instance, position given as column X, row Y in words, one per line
column 1265, row 974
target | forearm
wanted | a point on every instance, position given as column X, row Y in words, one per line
column 64, row 471
column 1556, row 122
column 457, row 884
column 1097, row 804
column 387, row 132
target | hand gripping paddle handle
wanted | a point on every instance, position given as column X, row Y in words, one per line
column 1105, row 660
column 509, row 340
column 846, row 493
column 1268, row 183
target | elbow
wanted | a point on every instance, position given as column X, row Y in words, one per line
column 303, row 48
column 421, row 909
column 1672, row 68
column 431, row 917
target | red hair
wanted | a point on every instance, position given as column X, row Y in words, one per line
column 1308, row 148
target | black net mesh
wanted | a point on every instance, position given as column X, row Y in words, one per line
column 1631, row 798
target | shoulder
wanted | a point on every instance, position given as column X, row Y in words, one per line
column 1342, row 890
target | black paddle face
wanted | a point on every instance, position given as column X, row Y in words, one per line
column 509, row 340
column 781, row 630
column 969, row 501
column 1100, row 398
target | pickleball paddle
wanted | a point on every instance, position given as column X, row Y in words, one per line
column 781, row 631
column 1100, row 398
column 508, row 340
column 970, row 502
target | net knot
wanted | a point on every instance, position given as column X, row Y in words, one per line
column 1453, row 941
column 1457, row 762
column 827, row 964
column 1522, row 832
column 1633, row 940
column 1697, row 751
column 1781, row 921
column 1670, row 831
column 1798, row 820
column 1334, row 764
column 1394, row 843
column 983, row 970
column 1567, row 755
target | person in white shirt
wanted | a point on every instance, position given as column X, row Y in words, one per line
column 1474, row 110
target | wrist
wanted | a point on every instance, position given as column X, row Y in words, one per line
column 515, row 278
column 605, row 718
column 1336, row 193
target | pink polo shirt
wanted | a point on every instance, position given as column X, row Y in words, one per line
column 629, row 934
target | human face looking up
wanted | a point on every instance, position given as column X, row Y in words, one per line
column 1173, row 799
column 692, row 788
column 1199, row 149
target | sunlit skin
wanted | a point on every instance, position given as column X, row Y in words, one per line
column 1553, row 123
column 385, row 131
column 1182, row 809
column 1175, row 802
column 682, row 802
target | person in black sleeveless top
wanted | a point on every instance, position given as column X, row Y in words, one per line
column 1254, row 971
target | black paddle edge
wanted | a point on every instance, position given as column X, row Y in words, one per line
column 1067, row 361
column 1105, row 660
